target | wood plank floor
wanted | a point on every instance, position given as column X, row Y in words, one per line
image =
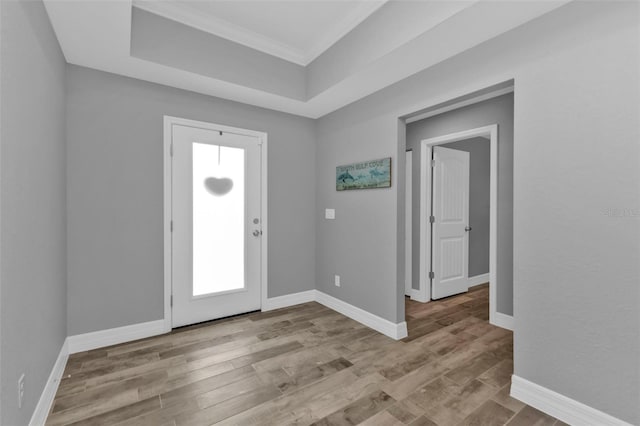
column 304, row 365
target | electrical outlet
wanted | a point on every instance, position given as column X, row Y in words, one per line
column 20, row 390
column 336, row 280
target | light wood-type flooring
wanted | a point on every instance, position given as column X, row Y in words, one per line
column 304, row 365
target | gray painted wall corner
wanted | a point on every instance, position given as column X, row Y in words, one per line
column 360, row 244
column 33, row 223
column 114, row 207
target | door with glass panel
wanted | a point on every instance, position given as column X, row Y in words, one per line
column 217, row 227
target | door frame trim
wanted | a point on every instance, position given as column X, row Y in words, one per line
column 169, row 122
column 426, row 146
column 408, row 225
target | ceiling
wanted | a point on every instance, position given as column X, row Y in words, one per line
column 305, row 57
column 297, row 31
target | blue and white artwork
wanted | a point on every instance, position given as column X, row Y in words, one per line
column 364, row 175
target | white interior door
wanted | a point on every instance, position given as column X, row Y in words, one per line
column 216, row 234
column 450, row 237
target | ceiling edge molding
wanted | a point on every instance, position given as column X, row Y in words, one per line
column 224, row 29
column 248, row 38
column 354, row 19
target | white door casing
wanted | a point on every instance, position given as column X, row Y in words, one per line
column 450, row 236
column 426, row 148
column 408, row 228
column 197, row 257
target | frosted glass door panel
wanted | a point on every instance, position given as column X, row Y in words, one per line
column 219, row 219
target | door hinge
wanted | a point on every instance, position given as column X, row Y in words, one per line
column 432, row 219
column 171, row 301
column 171, row 150
column 171, row 225
column 431, row 275
column 433, row 163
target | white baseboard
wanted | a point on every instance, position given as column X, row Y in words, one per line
column 113, row 336
column 478, row 279
column 288, row 300
column 386, row 327
column 502, row 320
column 419, row 296
column 395, row 331
column 39, row 416
column 559, row 406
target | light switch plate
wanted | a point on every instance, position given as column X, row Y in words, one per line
column 329, row 213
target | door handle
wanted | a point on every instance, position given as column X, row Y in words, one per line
column 467, row 228
column 257, row 233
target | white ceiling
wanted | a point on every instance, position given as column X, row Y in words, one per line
column 297, row 31
column 97, row 34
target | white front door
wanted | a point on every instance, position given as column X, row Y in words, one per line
column 216, row 216
column 450, row 210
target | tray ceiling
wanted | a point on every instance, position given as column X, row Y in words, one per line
column 297, row 31
column 355, row 47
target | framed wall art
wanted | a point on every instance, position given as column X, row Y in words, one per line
column 364, row 175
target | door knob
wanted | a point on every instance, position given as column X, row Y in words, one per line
column 257, row 233
column 467, row 228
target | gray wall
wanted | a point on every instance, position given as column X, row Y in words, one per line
column 360, row 243
column 33, row 245
column 114, row 180
column 576, row 154
column 479, row 151
column 493, row 111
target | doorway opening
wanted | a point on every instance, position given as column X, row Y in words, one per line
column 482, row 124
column 215, row 236
column 462, row 203
column 444, row 217
column 444, row 205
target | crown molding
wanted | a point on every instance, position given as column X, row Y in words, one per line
column 221, row 28
column 185, row 14
column 342, row 28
